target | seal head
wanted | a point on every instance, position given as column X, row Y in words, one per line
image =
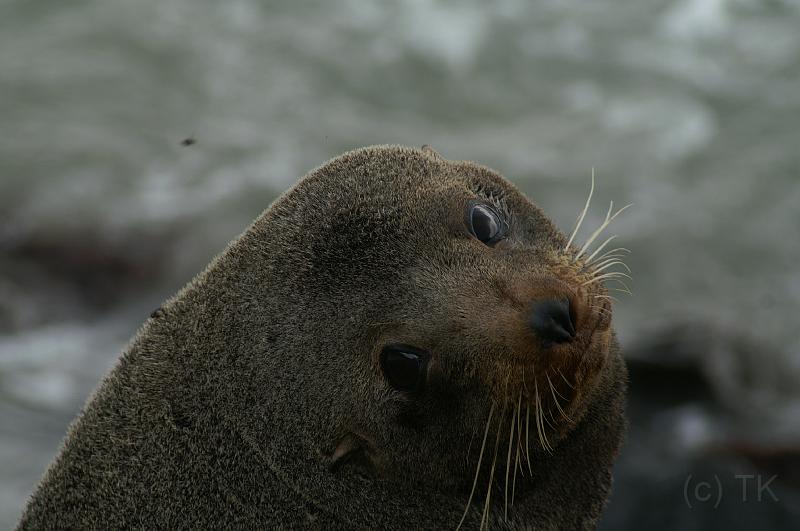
column 399, row 341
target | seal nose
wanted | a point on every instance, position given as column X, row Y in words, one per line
column 552, row 321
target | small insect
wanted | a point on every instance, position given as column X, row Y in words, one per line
column 189, row 141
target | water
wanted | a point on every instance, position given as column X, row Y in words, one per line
column 688, row 109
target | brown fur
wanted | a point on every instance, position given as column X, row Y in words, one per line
column 232, row 404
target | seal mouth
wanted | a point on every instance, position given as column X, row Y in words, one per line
column 556, row 350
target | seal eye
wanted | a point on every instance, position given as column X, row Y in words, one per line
column 404, row 367
column 485, row 224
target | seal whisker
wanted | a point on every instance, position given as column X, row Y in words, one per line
column 508, row 462
column 527, row 419
column 617, row 251
column 622, row 251
column 540, row 420
column 519, row 425
column 487, row 504
column 626, row 291
column 603, row 306
column 613, row 256
column 517, row 465
column 517, row 468
column 478, row 468
column 555, row 399
column 610, row 263
column 606, row 223
column 527, row 434
column 600, row 261
column 471, row 439
column 565, row 378
column 556, row 390
column 548, row 418
column 588, row 260
column 611, row 275
column 552, row 422
column 598, row 231
column 603, row 312
column 582, row 214
column 519, row 430
column 527, row 423
column 607, row 297
column 621, row 283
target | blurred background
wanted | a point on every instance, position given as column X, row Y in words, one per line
column 687, row 108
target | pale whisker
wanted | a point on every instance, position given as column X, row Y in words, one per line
column 565, row 379
column 600, row 248
column 606, row 223
column 540, row 420
column 615, row 252
column 527, row 436
column 517, row 464
column 555, row 399
column 508, row 463
column 486, row 512
column 612, row 275
column 582, row 214
column 626, row 291
column 527, row 421
column 607, row 297
column 478, row 469
column 605, row 265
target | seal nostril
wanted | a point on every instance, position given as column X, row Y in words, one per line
column 552, row 320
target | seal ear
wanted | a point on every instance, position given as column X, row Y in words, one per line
column 427, row 149
column 354, row 451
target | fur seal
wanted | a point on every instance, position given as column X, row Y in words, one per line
column 397, row 342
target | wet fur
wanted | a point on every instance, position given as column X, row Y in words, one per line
column 227, row 408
